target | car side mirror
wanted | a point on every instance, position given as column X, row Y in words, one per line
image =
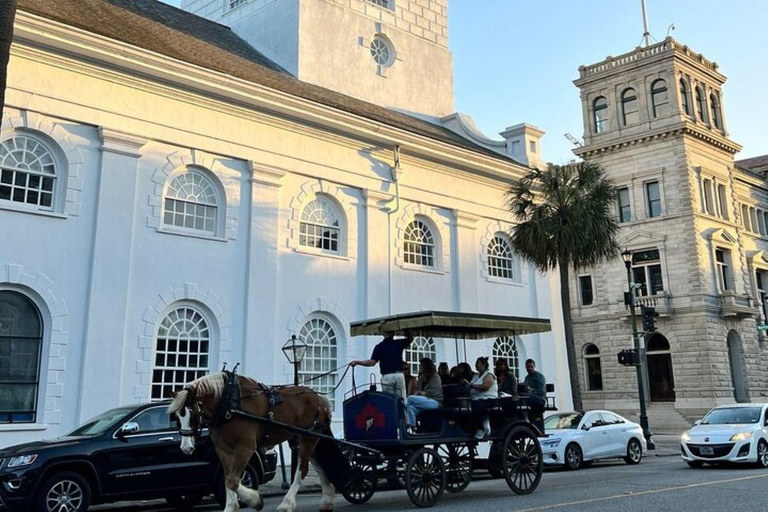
column 585, row 427
column 697, row 422
column 128, row 428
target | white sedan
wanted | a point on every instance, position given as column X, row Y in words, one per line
column 728, row 433
column 576, row 438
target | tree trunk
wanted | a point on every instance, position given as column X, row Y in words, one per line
column 570, row 347
column 7, row 15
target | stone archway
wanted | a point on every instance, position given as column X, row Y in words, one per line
column 661, row 379
column 736, row 363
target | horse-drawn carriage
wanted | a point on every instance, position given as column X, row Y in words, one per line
column 440, row 457
column 243, row 413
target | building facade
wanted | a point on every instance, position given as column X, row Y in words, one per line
column 171, row 200
column 695, row 222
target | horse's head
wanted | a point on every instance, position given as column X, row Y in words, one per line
column 193, row 404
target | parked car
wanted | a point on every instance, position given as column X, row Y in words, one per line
column 728, row 433
column 575, row 439
column 126, row 453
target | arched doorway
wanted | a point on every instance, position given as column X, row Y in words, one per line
column 736, row 362
column 661, row 379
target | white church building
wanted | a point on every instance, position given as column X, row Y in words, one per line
column 176, row 193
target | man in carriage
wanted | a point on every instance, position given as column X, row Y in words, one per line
column 388, row 353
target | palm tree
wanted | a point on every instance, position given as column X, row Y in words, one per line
column 7, row 15
column 565, row 218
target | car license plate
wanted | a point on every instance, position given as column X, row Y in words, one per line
column 707, row 450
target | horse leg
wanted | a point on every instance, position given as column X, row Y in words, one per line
column 328, row 488
column 251, row 497
column 306, row 448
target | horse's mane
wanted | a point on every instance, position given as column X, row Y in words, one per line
column 208, row 385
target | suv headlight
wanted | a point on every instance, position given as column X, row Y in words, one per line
column 742, row 436
column 21, row 460
column 551, row 443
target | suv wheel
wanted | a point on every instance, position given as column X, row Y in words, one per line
column 250, row 480
column 64, row 492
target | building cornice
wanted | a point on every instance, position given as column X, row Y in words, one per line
column 115, row 55
column 678, row 129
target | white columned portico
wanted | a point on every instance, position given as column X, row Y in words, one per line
column 261, row 346
column 109, row 283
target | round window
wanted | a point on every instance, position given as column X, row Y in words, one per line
column 382, row 51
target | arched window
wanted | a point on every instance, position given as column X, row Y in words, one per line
column 701, row 107
column 420, row 348
column 600, row 113
column 717, row 118
column 191, row 203
column 320, row 225
column 505, row 347
column 182, row 350
column 659, row 98
column 419, row 244
column 21, row 344
column 629, row 108
column 27, row 172
column 321, row 357
column 684, row 98
column 592, row 365
column 500, row 258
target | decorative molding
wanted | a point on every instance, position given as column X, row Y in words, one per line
column 442, row 235
column 465, row 219
column 53, row 372
column 187, row 292
column 229, row 183
column 69, row 155
column 266, row 174
column 348, row 210
column 377, row 199
column 114, row 141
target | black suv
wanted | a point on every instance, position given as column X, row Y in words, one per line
column 123, row 454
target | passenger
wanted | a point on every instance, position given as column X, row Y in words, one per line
column 506, row 379
column 483, row 387
column 536, row 386
column 465, row 371
column 429, row 394
column 411, row 386
column 442, row 372
column 388, row 353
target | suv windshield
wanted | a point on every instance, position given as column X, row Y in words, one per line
column 563, row 421
column 101, row 423
column 732, row 416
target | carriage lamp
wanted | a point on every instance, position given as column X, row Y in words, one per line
column 294, row 350
column 626, row 255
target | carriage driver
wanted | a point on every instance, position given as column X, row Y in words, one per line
column 389, row 354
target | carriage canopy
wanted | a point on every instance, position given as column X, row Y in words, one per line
column 443, row 324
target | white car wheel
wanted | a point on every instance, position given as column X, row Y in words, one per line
column 573, row 456
column 762, row 454
column 634, row 452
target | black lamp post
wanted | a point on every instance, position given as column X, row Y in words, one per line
column 294, row 350
column 627, row 256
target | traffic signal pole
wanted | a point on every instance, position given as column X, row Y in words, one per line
column 639, row 367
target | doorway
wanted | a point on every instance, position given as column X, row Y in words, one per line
column 736, row 362
column 661, row 379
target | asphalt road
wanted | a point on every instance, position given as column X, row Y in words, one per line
column 657, row 484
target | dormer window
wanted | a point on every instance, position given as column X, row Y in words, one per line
column 659, row 98
column 629, row 108
column 600, row 113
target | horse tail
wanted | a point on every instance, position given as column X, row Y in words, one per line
column 178, row 401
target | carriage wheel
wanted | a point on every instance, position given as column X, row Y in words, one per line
column 425, row 477
column 458, row 460
column 522, row 460
column 362, row 483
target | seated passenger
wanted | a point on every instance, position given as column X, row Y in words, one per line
column 442, row 372
column 506, row 379
column 483, row 388
column 410, row 381
column 429, row 394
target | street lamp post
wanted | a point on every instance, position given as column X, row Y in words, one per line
column 627, row 256
column 294, row 350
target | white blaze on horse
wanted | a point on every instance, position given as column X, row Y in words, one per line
column 213, row 398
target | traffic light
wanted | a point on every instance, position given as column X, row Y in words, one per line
column 628, row 357
column 649, row 321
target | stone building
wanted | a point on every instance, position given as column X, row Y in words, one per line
column 171, row 198
column 697, row 225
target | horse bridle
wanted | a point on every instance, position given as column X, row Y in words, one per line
column 194, row 409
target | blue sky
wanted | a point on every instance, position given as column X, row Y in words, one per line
column 515, row 60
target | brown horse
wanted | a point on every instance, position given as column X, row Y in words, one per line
column 237, row 438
